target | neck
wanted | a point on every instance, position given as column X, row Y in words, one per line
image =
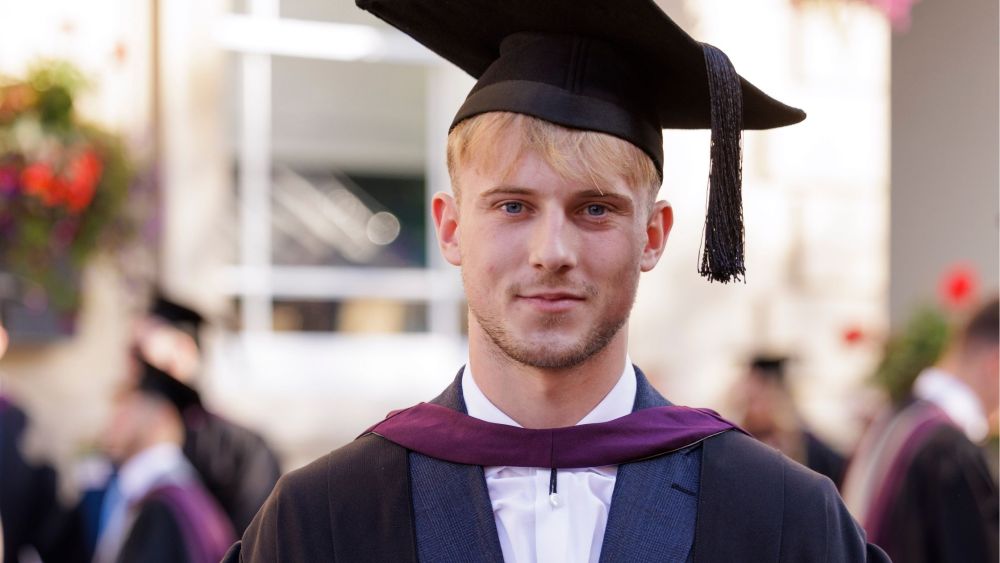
column 543, row 397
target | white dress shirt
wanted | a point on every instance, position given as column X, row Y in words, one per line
column 956, row 399
column 531, row 528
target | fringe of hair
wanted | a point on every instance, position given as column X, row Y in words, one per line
column 587, row 157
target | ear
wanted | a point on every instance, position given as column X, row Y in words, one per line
column 661, row 220
column 445, row 211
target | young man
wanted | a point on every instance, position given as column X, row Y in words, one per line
column 550, row 445
column 236, row 464
column 165, row 513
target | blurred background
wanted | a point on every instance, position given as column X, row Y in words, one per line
column 277, row 158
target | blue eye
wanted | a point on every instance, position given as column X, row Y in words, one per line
column 513, row 207
column 596, row 210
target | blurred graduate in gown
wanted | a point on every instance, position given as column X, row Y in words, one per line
column 920, row 483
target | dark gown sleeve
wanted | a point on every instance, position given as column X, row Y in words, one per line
column 154, row 537
column 293, row 524
column 817, row 525
column 757, row 505
column 947, row 510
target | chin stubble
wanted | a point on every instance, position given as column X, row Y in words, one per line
column 544, row 357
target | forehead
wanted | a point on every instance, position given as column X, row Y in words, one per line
column 524, row 158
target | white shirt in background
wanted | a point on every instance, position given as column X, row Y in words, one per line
column 956, row 399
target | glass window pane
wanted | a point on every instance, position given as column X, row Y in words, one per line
column 340, row 219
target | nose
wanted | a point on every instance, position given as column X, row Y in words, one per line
column 553, row 244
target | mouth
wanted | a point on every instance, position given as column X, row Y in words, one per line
column 552, row 302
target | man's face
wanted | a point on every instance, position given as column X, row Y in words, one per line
column 550, row 265
column 131, row 417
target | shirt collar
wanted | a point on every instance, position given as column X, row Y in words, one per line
column 616, row 404
column 147, row 468
column 955, row 398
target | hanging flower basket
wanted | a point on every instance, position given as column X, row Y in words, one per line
column 63, row 183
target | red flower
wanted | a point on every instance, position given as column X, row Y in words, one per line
column 853, row 335
column 959, row 286
column 38, row 180
column 84, row 173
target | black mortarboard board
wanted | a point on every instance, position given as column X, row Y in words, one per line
column 177, row 315
column 159, row 383
column 620, row 67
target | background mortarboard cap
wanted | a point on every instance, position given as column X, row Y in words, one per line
column 159, row 383
column 181, row 317
column 620, row 67
column 769, row 366
column 174, row 312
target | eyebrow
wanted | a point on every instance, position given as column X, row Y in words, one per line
column 585, row 194
column 506, row 190
column 599, row 194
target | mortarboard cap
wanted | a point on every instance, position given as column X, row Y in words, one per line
column 620, row 67
column 159, row 383
column 177, row 315
column 769, row 366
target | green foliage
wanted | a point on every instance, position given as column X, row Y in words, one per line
column 920, row 345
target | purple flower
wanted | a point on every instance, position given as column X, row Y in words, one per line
column 8, row 180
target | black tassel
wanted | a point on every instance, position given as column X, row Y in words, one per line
column 722, row 248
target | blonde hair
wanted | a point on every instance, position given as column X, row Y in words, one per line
column 582, row 156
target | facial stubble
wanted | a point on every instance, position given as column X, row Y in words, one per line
column 541, row 355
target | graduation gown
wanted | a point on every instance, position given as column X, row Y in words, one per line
column 235, row 464
column 177, row 523
column 823, row 459
column 29, row 504
column 371, row 500
column 946, row 508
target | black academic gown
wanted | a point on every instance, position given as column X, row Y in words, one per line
column 155, row 537
column 823, row 459
column 177, row 521
column 947, row 507
column 354, row 504
column 29, row 506
column 235, row 464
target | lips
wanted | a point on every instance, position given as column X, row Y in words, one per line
column 552, row 302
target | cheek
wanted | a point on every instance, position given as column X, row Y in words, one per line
column 620, row 253
column 492, row 252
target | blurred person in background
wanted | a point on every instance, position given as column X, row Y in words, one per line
column 920, row 483
column 235, row 463
column 767, row 411
column 157, row 509
column 550, row 445
column 31, row 515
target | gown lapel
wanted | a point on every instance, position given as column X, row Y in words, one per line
column 652, row 514
column 654, row 504
column 451, row 501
